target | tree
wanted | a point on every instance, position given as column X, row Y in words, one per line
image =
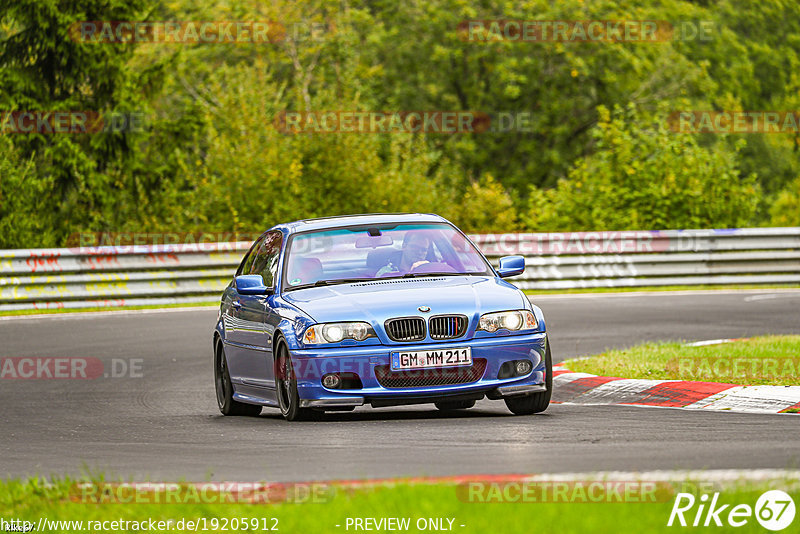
column 643, row 176
column 785, row 210
column 44, row 68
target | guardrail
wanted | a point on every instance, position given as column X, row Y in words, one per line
column 197, row 272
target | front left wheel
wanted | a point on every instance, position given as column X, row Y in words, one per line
column 535, row 402
column 224, row 387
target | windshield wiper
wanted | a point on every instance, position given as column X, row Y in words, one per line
column 341, row 281
column 320, row 283
column 419, row 275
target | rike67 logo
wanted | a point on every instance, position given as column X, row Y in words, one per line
column 774, row 510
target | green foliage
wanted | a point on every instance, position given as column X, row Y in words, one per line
column 24, row 203
column 488, row 206
column 210, row 158
column 75, row 178
column 427, row 65
column 643, row 176
column 253, row 176
column 785, row 209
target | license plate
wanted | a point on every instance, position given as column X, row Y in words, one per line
column 423, row 359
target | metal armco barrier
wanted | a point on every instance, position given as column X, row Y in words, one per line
column 198, row 272
column 651, row 258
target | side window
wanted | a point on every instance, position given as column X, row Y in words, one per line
column 266, row 262
column 244, row 268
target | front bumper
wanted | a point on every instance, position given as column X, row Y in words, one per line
column 312, row 364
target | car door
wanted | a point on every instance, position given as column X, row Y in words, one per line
column 257, row 319
column 236, row 325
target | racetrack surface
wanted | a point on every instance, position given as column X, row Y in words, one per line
column 166, row 426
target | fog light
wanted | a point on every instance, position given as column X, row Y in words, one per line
column 331, row 381
column 523, row 367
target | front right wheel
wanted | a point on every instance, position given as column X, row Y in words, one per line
column 534, row 402
column 286, row 386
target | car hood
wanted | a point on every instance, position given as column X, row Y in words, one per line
column 383, row 299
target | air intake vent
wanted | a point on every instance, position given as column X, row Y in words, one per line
column 420, row 378
column 405, row 329
column 448, row 326
column 398, row 281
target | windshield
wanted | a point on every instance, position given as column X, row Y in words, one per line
column 379, row 251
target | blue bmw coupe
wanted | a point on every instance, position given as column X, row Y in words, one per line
column 385, row 309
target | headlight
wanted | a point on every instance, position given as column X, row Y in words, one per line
column 508, row 320
column 336, row 332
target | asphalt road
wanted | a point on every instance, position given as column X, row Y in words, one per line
column 164, row 424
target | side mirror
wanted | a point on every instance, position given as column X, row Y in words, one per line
column 511, row 266
column 252, row 284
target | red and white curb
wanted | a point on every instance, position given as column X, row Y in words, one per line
column 570, row 387
column 707, row 342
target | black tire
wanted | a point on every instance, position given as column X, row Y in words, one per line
column 224, row 387
column 449, row 406
column 286, row 386
column 535, row 402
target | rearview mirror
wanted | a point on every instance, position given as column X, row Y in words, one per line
column 511, row 266
column 368, row 241
column 252, row 284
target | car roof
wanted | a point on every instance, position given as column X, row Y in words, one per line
column 355, row 220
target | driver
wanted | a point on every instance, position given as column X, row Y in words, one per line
column 415, row 250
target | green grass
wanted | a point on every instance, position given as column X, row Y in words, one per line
column 107, row 308
column 771, row 360
column 30, row 500
column 656, row 288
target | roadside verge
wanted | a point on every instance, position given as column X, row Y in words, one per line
column 571, row 387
